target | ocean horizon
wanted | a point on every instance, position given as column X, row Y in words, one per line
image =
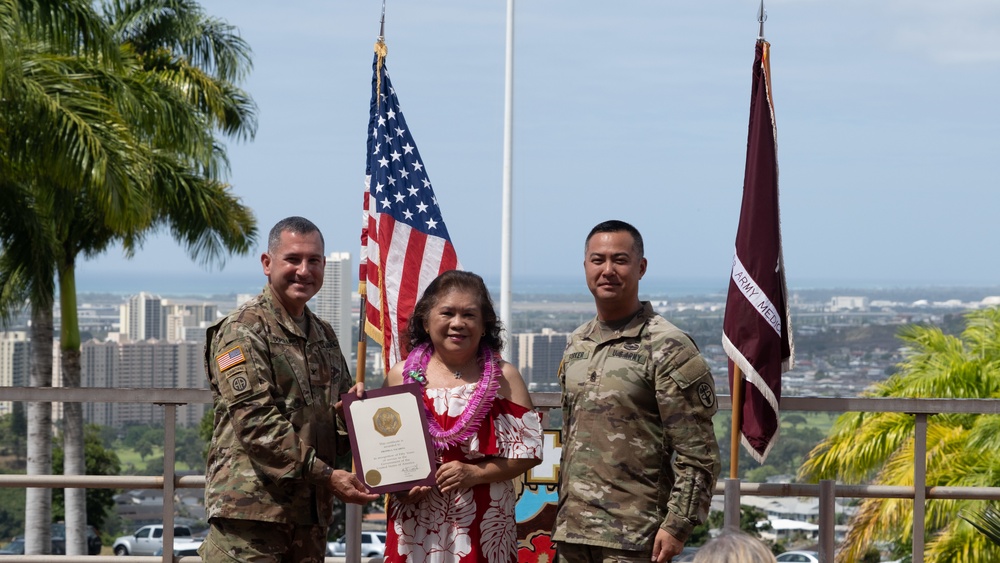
column 231, row 283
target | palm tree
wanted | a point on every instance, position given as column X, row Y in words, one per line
column 22, row 279
column 141, row 153
column 41, row 129
column 178, row 92
column 962, row 449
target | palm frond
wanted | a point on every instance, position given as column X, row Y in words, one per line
column 109, row 132
column 182, row 28
column 71, row 26
column 962, row 449
column 986, row 520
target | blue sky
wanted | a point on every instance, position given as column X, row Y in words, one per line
column 887, row 115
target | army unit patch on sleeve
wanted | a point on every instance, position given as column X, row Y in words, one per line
column 238, row 382
column 230, row 358
column 706, row 395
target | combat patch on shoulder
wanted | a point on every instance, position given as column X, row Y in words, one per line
column 232, row 357
column 706, row 394
column 238, row 383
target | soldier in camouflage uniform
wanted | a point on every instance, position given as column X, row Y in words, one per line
column 636, row 393
column 276, row 371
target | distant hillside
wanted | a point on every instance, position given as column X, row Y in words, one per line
column 868, row 337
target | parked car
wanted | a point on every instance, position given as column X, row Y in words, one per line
column 799, row 556
column 146, row 540
column 372, row 545
column 184, row 546
column 93, row 538
column 16, row 547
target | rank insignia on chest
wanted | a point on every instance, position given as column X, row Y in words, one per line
column 229, row 358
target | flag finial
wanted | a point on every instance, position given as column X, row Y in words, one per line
column 761, row 17
column 381, row 26
column 380, row 51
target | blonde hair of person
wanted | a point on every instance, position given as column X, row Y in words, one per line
column 734, row 547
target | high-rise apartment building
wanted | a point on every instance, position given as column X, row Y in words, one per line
column 99, row 368
column 148, row 317
column 142, row 364
column 15, row 355
column 142, row 318
column 537, row 357
column 188, row 321
column 333, row 302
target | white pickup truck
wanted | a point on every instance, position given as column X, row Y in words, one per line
column 147, row 540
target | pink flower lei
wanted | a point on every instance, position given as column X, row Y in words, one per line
column 466, row 426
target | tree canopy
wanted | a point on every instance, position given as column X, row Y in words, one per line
column 99, row 461
column 110, row 130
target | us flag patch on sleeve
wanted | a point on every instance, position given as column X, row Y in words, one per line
column 230, row 358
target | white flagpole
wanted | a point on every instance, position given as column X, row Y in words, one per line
column 508, row 149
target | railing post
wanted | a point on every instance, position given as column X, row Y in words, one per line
column 919, row 485
column 169, row 452
column 827, row 520
column 731, row 516
column 352, row 532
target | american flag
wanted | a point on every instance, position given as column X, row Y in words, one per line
column 230, row 358
column 757, row 331
column 405, row 243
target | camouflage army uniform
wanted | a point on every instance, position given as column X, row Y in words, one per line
column 276, row 430
column 630, row 402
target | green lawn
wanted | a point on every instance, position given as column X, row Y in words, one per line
column 132, row 457
column 822, row 421
column 129, row 456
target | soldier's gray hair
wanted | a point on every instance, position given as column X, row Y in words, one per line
column 734, row 547
column 293, row 224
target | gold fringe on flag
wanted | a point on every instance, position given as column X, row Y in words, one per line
column 381, row 51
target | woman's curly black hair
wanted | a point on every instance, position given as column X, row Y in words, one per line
column 462, row 281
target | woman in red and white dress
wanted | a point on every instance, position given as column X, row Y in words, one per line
column 483, row 425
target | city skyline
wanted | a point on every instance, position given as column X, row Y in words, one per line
column 886, row 126
column 332, row 302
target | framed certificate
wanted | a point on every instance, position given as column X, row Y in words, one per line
column 391, row 446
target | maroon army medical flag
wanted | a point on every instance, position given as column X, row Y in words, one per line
column 756, row 330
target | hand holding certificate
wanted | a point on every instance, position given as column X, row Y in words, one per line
column 390, row 443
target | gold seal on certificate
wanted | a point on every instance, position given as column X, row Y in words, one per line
column 387, row 421
column 390, row 443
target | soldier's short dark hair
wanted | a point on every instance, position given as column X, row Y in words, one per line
column 293, row 224
column 616, row 226
column 462, row 281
